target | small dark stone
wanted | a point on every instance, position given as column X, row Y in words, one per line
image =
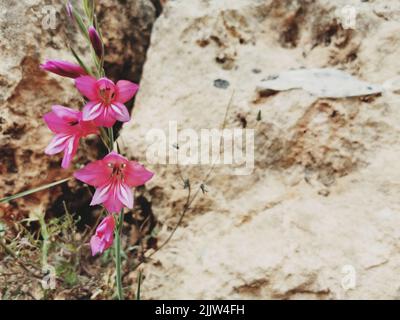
column 221, row 83
column 256, row 71
column 272, row 77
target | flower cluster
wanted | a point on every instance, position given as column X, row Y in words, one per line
column 114, row 176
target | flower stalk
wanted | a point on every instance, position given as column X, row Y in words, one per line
column 118, row 260
column 114, row 176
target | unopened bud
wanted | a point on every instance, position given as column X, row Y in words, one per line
column 96, row 41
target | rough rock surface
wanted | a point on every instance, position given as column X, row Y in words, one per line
column 27, row 37
column 319, row 217
column 127, row 28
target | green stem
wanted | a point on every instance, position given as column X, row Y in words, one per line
column 111, row 137
column 118, row 234
column 117, row 246
column 110, row 133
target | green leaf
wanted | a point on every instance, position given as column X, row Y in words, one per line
column 79, row 60
column 27, row 192
column 88, row 6
column 2, row 228
column 81, row 24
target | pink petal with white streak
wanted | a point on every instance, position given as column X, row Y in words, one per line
column 125, row 195
column 92, row 110
column 70, row 150
column 102, row 194
column 106, row 119
column 119, row 112
column 57, row 144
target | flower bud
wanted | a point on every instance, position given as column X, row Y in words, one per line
column 63, row 68
column 96, row 41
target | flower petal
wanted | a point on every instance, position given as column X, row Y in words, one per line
column 115, row 158
column 125, row 195
column 88, row 127
column 70, row 150
column 55, row 124
column 126, row 90
column 104, row 236
column 66, row 114
column 113, row 205
column 102, row 194
column 57, row 144
column 92, row 110
column 106, row 119
column 136, row 174
column 95, row 173
column 87, row 87
column 63, row 68
column 106, row 226
column 106, row 84
column 96, row 245
column 119, row 112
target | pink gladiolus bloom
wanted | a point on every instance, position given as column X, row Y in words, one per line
column 69, row 127
column 104, row 236
column 114, row 176
column 63, row 68
column 106, row 104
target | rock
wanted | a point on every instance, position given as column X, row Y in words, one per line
column 318, row 218
column 30, row 32
column 127, row 28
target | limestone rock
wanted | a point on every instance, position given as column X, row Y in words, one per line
column 319, row 217
column 127, row 28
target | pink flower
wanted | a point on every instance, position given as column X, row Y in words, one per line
column 106, row 104
column 113, row 177
column 69, row 127
column 104, row 236
column 63, row 68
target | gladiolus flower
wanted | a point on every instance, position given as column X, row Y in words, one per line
column 106, row 104
column 114, row 176
column 63, row 68
column 96, row 42
column 104, row 236
column 69, row 127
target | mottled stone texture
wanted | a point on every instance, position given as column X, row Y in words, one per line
column 127, row 28
column 323, row 200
